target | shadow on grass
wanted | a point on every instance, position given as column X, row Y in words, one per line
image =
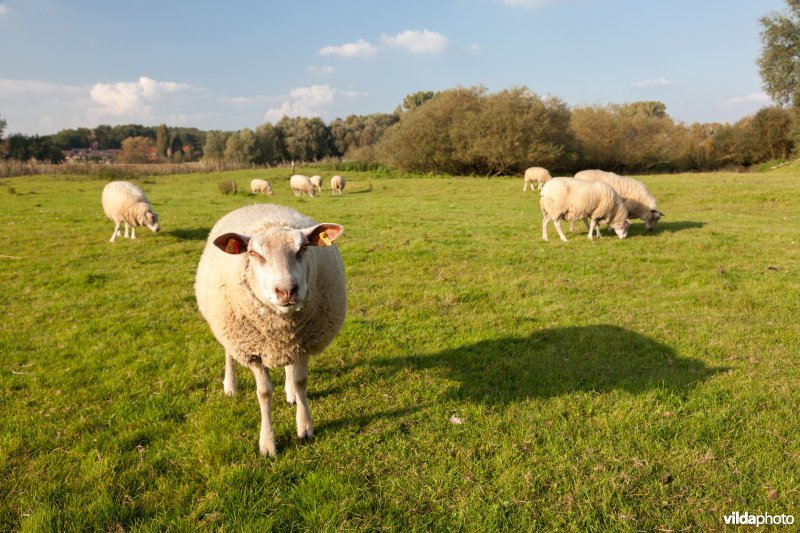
column 559, row 361
column 194, row 234
column 673, row 227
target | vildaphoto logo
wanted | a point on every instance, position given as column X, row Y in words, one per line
column 764, row 519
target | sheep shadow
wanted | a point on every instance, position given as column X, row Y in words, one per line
column 674, row 226
column 553, row 362
column 194, row 234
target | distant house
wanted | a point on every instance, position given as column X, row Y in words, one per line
column 76, row 155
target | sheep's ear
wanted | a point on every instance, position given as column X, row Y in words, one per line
column 323, row 234
column 659, row 213
column 232, row 243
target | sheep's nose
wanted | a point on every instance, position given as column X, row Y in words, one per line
column 285, row 296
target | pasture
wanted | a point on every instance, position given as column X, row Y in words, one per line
column 484, row 379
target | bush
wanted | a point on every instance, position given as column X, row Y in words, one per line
column 228, row 187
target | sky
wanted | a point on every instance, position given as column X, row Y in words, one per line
column 241, row 63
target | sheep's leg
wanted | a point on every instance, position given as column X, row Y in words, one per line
column 133, row 232
column 571, row 226
column 116, row 232
column 300, row 382
column 229, row 383
column 557, row 224
column 545, row 220
column 126, row 230
column 266, row 439
column 289, row 384
column 539, row 188
column 592, row 226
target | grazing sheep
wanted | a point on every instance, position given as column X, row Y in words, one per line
column 640, row 203
column 259, row 185
column 271, row 285
column 536, row 174
column 302, row 185
column 337, row 184
column 316, row 181
column 570, row 199
column 125, row 202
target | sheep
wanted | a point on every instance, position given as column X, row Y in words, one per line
column 125, row 202
column 337, row 184
column 316, row 181
column 302, row 185
column 570, row 199
column 259, row 185
column 536, row 174
column 271, row 286
column 640, row 203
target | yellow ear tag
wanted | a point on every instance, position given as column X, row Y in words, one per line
column 232, row 247
column 324, row 238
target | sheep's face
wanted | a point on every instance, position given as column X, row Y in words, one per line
column 278, row 259
column 151, row 221
column 651, row 218
column 622, row 229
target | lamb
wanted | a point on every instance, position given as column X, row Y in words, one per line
column 571, row 199
column 302, row 185
column 259, row 185
column 125, row 202
column 337, row 184
column 271, row 286
column 536, row 174
column 640, row 203
column 316, row 181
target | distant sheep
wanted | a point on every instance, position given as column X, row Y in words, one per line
column 259, row 185
column 570, row 199
column 302, row 185
column 337, row 184
column 638, row 200
column 538, row 175
column 316, row 181
column 125, row 202
column 271, row 286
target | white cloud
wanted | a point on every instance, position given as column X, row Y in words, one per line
column 360, row 49
column 528, row 4
column 4, row 10
column 133, row 98
column 655, row 82
column 311, row 101
column 417, row 42
column 323, row 70
column 751, row 99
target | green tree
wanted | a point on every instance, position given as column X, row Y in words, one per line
column 779, row 62
column 268, row 145
column 416, row 99
column 162, row 140
column 241, row 147
column 214, row 147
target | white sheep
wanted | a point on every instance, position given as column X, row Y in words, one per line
column 640, row 203
column 536, row 174
column 302, row 185
column 337, row 184
column 259, row 185
column 316, row 181
column 125, row 202
column 271, row 285
column 570, row 199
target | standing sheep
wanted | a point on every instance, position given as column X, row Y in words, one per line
column 259, row 185
column 640, row 203
column 125, row 202
column 536, row 174
column 316, row 181
column 302, row 185
column 337, row 184
column 570, row 199
column 271, row 285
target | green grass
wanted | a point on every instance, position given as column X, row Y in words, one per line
column 643, row 384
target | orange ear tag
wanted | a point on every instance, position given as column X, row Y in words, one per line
column 232, row 247
column 324, row 238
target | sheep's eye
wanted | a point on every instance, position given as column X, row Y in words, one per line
column 256, row 255
column 302, row 250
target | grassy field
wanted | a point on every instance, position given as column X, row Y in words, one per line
column 643, row 384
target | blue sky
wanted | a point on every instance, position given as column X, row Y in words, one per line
column 237, row 64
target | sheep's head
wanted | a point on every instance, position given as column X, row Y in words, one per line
column 651, row 218
column 278, row 259
column 621, row 229
column 151, row 221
